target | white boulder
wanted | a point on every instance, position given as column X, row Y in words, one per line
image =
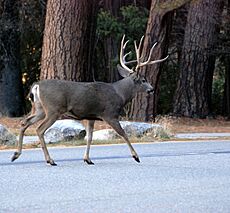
column 6, row 137
column 138, row 129
column 64, row 130
column 105, row 134
column 132, row 129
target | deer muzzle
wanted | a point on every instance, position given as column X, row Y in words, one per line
column 150, row 91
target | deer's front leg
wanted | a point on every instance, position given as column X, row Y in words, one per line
column 117, row 127
column 90, row 127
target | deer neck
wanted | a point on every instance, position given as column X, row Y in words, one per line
column 125, row 88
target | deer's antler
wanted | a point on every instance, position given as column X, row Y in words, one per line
column 138, row 54
column 122, row 56
column 124, row 63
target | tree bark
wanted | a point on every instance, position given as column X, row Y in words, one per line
column 143, row 107
column 68, row 42
column 178, row 29
column 227, row 89
column 11, row 91
column 193, row 94
column 226, row 101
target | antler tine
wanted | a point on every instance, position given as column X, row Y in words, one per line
column 158, row 61
column 122, row 56
column 150, row 54
column 138, row 52
column 149, row 58
column 126, row 55
column 124, row 46
column 139, row 47
column 128, row 62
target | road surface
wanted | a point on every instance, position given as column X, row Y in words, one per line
column 172, row 177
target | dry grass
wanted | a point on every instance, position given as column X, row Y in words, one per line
column 195, row 125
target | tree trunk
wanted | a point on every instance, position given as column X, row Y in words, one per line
column 193, row 94
column 143, row 107
column 226, row 102
column 68, row 42
column 11, row 91
column 178, row 30
column 227, row 88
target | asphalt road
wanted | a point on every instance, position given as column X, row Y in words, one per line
column 172, row 177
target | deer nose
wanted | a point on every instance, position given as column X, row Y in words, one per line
column 150, row 91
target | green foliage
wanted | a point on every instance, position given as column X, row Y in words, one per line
column 107, row 24
column 32, row 17
column 218, row 89
column 167, row 88
column 132, row 21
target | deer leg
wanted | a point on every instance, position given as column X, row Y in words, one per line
column 30, row 120
column 46, row 123
column 90, row 127
column 117, row 127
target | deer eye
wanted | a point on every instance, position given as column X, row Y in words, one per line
column 143, row 80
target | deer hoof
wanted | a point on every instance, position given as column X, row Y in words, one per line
column 15, row 156
column 51, row 162
column 89, row 162
column 136, row 158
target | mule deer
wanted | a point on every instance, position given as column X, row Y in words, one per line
column 91, row 101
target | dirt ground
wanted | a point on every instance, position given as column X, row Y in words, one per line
column 173, row 124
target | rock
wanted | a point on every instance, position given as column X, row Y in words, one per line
column 138, row 129
column 132, row 129
column 64, row 130
column 105, row 134
column 6, row 137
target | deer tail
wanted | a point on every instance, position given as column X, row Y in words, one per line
column 34, row 95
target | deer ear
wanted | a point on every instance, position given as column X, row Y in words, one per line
column 123, row 72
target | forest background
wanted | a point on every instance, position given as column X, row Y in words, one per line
column 79, row 40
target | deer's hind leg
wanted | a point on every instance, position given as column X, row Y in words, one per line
column 90, row 127
column 37, row 114
column 50, row 118
column 117, row 127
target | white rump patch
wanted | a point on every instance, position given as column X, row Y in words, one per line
column 35, row 92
